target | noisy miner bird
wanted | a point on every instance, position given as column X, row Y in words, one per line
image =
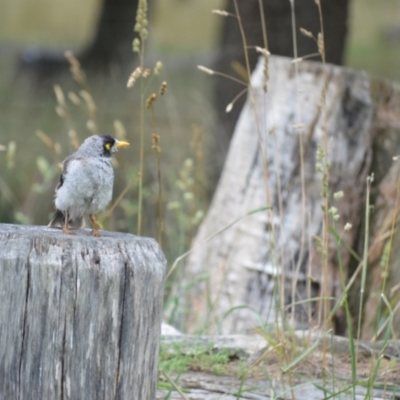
column 86, row 183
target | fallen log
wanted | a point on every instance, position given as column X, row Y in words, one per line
column 263, row 373
column 80, row 317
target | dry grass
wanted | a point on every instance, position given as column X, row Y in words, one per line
column 172, row 129
column 225, row 370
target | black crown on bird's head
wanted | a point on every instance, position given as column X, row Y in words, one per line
column 101, row 145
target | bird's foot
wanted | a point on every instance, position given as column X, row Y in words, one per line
column 68, row 231
column 95, row 233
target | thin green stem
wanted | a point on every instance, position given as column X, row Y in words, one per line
column 141, row 159
column 141, row 143
column 272, row 237
column 365, row 255
column 387, row 261
column 348, row 316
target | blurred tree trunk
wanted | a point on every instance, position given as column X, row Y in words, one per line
column 277, row 15
column 110, row 49
column 112, row 43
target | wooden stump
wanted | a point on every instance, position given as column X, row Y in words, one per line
column 80, row 317
column 276, row 159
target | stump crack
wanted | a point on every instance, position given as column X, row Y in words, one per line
column 62, row 380
column 63, row 358
column 249, row 175
column 28, row 283
column 121, row 330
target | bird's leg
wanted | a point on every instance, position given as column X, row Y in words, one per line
column 95, row 225
column 65, row 228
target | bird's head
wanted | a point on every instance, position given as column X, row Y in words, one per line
column 102, row 145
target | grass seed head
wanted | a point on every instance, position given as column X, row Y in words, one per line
column 134, row 76
column 222, row 13
column 156, row 143
column 75, row 68
column 205, row 69
column 45, row 139
column 88, row 100
column 90, row 124
column 141, row 20
column 338, row 195
column 348, row 226
column 150, row 100
column 146, row 73
column 74, row 98
column 74, row 138
column 307, row 33
column 158, row 67
column 229, row 107
column 136, row 45
column 321, row 45
column 163, row 88
column 265, row 53
column 60, row 112
column 59, row 95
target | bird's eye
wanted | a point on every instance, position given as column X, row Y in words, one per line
column 107, row 146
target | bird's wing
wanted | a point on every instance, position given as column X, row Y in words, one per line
column 64, row 171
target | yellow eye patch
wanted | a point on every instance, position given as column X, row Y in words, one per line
column 107, row 146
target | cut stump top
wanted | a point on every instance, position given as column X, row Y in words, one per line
column 36, row 231
column 108, row 244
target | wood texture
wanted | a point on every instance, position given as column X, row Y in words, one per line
column 205, row 386
column 272, row 161
column 80, row 317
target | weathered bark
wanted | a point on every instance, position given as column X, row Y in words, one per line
column 272, row 162
column 384, row 249
column 80, row 317
column 278, row 22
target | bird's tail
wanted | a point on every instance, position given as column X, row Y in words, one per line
column 59, row 218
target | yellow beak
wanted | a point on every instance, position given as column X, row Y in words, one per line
column 120, row 144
